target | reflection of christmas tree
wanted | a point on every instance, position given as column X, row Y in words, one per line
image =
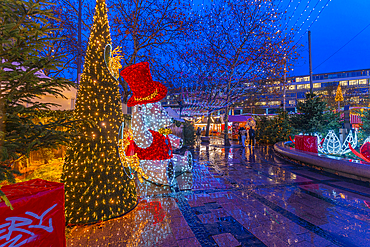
column 97, row 187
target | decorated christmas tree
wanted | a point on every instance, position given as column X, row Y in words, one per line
column 339, row 95
column 97, row 186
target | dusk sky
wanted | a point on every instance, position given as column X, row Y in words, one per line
column 338, row 23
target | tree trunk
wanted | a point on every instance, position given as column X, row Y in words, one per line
column 208, row 123
column 2, row 121
column 226, row 134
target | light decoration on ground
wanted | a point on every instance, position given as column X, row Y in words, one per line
column 152, row 143
column 96, row 185
column 349, row 139
column 332, row 144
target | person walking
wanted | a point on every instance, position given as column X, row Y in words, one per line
column 199, row 132
column 239, row 135
column 243, row 133
column 251, row 136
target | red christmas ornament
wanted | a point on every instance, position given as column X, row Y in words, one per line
column 144, row 89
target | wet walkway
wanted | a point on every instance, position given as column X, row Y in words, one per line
column 241, row 197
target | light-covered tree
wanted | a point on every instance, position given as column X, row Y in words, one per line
column 245, row 44
column 97, row 186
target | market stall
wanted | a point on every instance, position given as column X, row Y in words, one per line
column 215, row 128
column 238, row 121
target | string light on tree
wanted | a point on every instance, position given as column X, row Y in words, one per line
column 97, row 186
column 339, row 96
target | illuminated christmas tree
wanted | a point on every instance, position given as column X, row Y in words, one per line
column 97, row 187
column 339, row 95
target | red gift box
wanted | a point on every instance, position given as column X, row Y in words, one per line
column 38, row 215
column 306, row 143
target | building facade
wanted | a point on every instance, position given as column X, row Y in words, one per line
column 354, row 84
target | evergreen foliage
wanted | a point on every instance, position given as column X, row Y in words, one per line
column 24, row 35
column 97, row 186
column 314, row 116
column 276, row 129
column 365, row 130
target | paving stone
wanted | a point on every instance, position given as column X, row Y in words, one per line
column 250, row 195
column 226, row 240
column 189, row 242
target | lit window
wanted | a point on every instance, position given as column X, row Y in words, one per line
column 317, row 85
column 303, row 86
column 353, row 82
column 274, row 103
column 322, row 92
column 343, row 83
column 307, row 78
column 291, row 102
column 298, row 79
column 291, row 87
column 362, row 82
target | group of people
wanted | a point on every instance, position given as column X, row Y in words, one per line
column 243, row 134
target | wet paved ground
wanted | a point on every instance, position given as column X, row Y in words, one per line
column 241, row 197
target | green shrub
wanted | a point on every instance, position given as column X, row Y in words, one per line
column 314, row 116
column 275, row 129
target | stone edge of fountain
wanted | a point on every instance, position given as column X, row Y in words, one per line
column 339, row 166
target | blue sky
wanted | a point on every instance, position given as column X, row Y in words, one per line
column 338, row 23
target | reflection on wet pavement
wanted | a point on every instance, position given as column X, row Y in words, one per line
column 241, row 197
